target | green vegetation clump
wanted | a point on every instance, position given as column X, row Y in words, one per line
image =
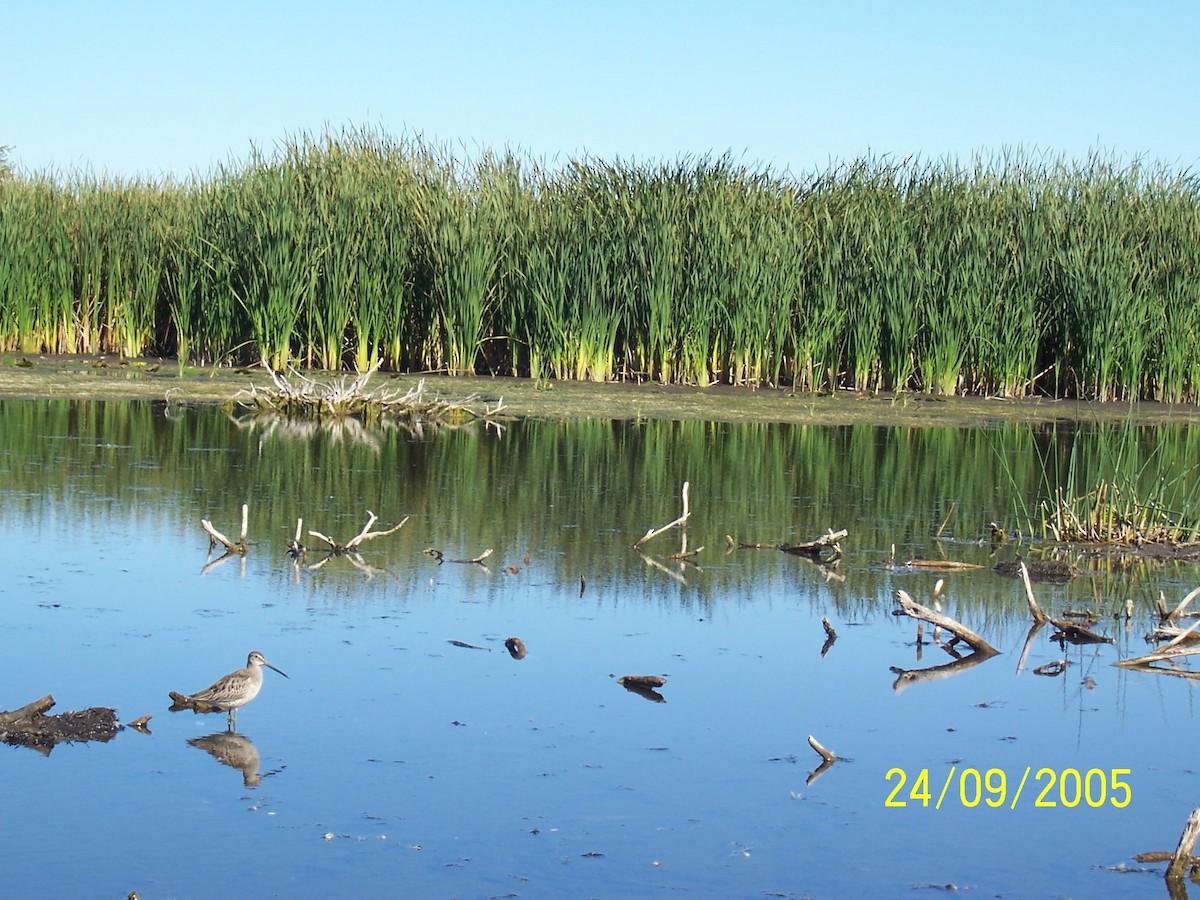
column 1116, row 483
column 1009, row 276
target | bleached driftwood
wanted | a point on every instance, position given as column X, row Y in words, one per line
column 1168, row 652
column 680, row 522
column 827, row 755
column 914, row 610
column 828, row 758
column 365, row 535
column 1178, row 611
column 215, row 537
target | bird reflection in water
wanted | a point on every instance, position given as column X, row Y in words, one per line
column 234, row 750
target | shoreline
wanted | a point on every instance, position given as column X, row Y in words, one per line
column 49, row 377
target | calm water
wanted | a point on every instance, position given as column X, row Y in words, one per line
column 394, row 763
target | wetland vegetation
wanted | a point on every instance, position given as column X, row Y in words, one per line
column 410, row 747
column 1010, row 275
column 1013, row 277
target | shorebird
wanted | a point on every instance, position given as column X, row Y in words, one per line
column 231, row 691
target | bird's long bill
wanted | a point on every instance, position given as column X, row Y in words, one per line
column 273, row 669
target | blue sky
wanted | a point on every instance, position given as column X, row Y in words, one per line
column 178, row 87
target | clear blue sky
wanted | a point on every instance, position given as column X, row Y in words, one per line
column 176, row 86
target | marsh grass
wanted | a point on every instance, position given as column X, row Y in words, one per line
column 1006, row 276
column 1112, row 483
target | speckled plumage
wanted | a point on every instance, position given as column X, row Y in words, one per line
column 237, row 688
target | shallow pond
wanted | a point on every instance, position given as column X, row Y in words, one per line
column 394, row 762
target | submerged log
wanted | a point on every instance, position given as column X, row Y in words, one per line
column 813, row 549
column 1052, row 571
column 29, row 726
column 941, row 565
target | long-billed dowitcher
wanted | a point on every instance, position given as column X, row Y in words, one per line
column 231, row 691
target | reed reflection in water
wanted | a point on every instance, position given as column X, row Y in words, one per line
column 489, row 772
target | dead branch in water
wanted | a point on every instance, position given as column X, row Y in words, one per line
column 1181, row 861
column 300, row 396
column 1168, row 652
column 295, row 548
column 914, row 610
column 826, row 755
column 830, row 636
column 215, row 537
column 941, row 565
column 680, row 522
column 1178, row 611
column 809, row 549
column 812, row 549
column 441, row 557
column 1067, row 631
column 365, row 535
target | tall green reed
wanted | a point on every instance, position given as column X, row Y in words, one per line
column 1011, row 275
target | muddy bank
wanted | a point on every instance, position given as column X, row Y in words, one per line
column 110, row 378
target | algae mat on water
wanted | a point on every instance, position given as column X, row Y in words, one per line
column 113, row 378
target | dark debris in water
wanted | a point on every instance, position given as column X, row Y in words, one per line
column 29, row 726
column 1051, row 571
